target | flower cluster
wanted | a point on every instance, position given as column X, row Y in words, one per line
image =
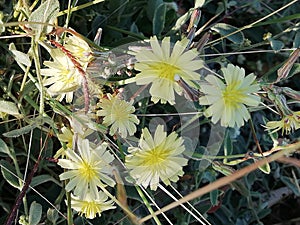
column 158, row 157
column 86, row 171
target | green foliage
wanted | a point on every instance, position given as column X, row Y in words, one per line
column 35, row 213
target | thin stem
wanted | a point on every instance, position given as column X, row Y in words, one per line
column 146, row 202
column 38, row 74
column 255, row 137
column 12, row 215
column 255, row 22
column 127, row 211
column 69, row 209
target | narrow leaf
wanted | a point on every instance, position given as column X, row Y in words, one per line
column 213, row 196
column 43, row 179
column 7, row 171
column 3, row 147
column 289, row 182
column 284, row 71
column 21, row 131
column 279, row 20
column 159, row 19
column 182, row 20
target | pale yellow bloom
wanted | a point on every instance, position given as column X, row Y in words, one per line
column 62, row 76
column 160, row 66
column 288, row 123
column 90, row 206
column 228, row 101
column 67, row 137
column 119, row 114
column 79, row 49
column 157, row 158
column 87, row 169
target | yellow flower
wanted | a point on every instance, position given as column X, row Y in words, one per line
column 118, row 113
column 288, row 123
column 91, row 206
column 160, row 66
column 158, row 158
column 62, row 76
column 88, row 169
column 228, row 101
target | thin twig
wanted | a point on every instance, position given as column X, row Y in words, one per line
column 10, row 219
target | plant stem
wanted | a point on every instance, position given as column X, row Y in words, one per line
column 11, row 218
column 69, row 210
column 38, row 74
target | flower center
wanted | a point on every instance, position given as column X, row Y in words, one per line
column 156, row 156
column 165, row 70
column 119, row 114
column 67, row 76
column 87, row 171
column 233, row 96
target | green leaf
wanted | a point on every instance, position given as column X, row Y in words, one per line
column 213, row 195
column 7, row 171
column 295, row 70
column 265, row 168
column 296, row 43
column 151, row 8
column 3, row 147
column 199, row 3
column 271, row 75
column 159, row 19
column 276, row 45
column 20, row 57
column 21, row 131
column 4, row 206
column 289, row 182
column 226, row 30
column 45, row 13
column 52, row 215
column 2, row 28
column 182, row 20
column 9, row 108
column 228, row 147
column 43, row 179
column 35, row 213
column 134, row 28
